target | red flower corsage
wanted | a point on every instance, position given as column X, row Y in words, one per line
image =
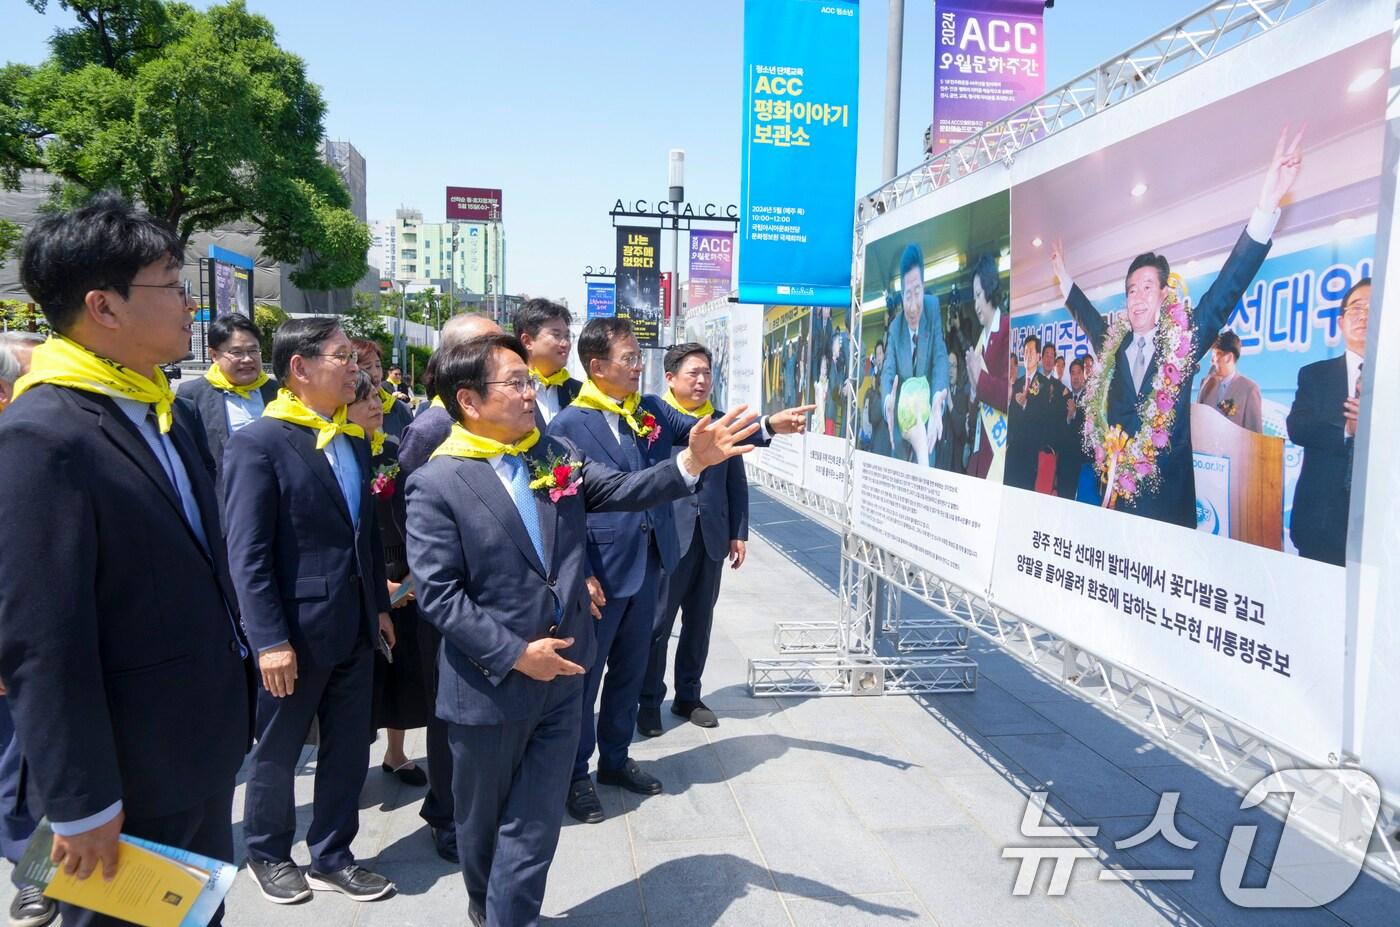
column 559, row 477
column 385, row 481
column 650, row 429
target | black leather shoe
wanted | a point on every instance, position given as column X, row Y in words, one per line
column 583, row 803
column 280, row 882
column 408, row 775
column 649, row 722
column 354, row 881
column 445, row 842
column 631, row 778
column 31, row 909
column 696, row 713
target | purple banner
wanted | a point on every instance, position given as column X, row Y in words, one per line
column 990, row 61
column 711, row 266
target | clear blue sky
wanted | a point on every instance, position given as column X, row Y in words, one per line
column 569, row 104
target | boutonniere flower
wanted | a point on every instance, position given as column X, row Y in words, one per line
column 1035, row 386
column 1226, row 407
column 385, row 481
column 651, row 430
column 558, row 477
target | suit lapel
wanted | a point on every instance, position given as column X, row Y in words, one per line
column 304, row 443
column 598, row 425
column 548, row 513
column 366, row 482
column 481, row 478
column 124, row 435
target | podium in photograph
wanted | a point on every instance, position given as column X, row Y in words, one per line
column 1239, row 479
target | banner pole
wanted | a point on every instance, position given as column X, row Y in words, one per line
column 894, row 70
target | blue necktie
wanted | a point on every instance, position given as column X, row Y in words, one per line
column 524, row 499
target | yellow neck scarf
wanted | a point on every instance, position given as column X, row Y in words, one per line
column 289, row 408
column 216, row 378
column 66, row 363
column 591, row 397
column 387, row 399
column 376, row 442
column 462, row 443
column 437, row 403
column 557, row 378
column 707, row 408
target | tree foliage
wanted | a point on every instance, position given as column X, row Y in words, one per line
column 199, row 115
column 268, row 318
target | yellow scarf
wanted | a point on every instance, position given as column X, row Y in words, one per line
column 66, row 363
column 437, row 403
column 557, row 378
column 376, row 442
column 387, row 398
column 216, row 378
column 707, row 408
column 591, row 397
column 462, row 443
column 289, row 408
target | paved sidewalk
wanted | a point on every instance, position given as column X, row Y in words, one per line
column 845, row 811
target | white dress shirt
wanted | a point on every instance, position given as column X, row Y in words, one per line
column 242, row 411
column 547, row 401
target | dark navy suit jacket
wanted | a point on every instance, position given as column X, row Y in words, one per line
column 720, row 504
column 481, row 583
column 304, row 574
column 1175, row 499
column 206, row 410
column 1322, row 498
column 618, row 540
column 118, row 640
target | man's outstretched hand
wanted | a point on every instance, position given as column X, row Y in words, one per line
column 790, row 421
column 714, row 441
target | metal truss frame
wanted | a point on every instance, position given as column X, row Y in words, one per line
column 1192, row 41
column 843, row 657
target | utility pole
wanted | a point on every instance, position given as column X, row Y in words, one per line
column 894, row 70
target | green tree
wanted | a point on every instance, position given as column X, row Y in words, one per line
column 363, row 320
column 199, row 115
column 9, row 240
column 267, row 318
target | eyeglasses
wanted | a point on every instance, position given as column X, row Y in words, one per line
column 242, row 354
column 184, row 285
column 563, row 337
column 515, row 385
column 629, row 360
column 1363, row 307
column 341, row 358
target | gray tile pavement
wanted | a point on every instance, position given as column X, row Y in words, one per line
column 845, row 811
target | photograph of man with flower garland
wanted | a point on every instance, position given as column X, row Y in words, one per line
column 1137, row 259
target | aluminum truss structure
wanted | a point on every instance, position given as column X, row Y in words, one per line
column 841, row 657
column 1196, row 39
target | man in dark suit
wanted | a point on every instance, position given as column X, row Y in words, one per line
column 423, row 435
column 119, row 640
column 1323, row 423
column 234, row 390
column 500, row 571
column 1024, row 437
column 914, row 349
column 627, row 550
column 305, row 555
column 543, row 327
column 711, row 524
column 1136, row 362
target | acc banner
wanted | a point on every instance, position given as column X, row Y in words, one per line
column 990, row 61
column 601, row 300
column 797, row 213
column 639, row 281
column 711, row 266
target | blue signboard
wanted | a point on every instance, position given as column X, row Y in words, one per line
column 602, row 303
column 797, row 203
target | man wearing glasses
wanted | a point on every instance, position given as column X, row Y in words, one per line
column 1323, row 423
column 120, row 647
column 627, row 551
column 233, row 392
column 305, row 556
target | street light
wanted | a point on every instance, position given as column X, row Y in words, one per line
column 675, row 176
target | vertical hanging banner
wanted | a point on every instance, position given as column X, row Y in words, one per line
column 797, row 211
column 601, row 300
column 711, row 266
column 639, row 281
column 666, row 296
column 990, row 61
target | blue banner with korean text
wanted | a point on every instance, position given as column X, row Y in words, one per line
column 797, row 203
column 601, row 299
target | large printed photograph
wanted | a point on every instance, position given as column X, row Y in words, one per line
column 806, row 353
column 1190, row 309
column 932, row 384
